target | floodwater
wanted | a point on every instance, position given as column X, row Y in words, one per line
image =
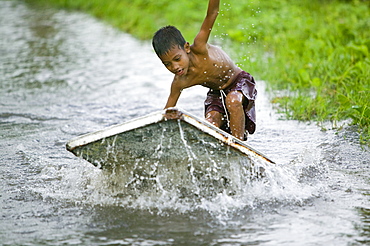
column 65, row 74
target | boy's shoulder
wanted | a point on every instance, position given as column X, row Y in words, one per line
column 201, row 50
column 212, row 53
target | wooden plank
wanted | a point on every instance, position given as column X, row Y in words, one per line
column 173, row 142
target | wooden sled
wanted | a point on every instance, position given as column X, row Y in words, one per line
column 171, row 148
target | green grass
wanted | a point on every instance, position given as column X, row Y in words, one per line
column 317, row 51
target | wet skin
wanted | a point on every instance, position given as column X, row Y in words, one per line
column 209, row 66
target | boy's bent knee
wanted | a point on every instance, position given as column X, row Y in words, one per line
column 234, row 100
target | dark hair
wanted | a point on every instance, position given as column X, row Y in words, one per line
column 166, row 38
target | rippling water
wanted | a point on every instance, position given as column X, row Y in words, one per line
column 65, row 74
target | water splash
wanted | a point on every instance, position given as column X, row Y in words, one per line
column 239, row 188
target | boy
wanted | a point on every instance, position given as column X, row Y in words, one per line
column 230, row 100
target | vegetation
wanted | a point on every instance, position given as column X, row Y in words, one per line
column 313, row 54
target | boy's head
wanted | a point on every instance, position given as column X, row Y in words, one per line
column 166, row 38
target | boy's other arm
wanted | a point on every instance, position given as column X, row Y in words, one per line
column 174, row 95
column 200, row 41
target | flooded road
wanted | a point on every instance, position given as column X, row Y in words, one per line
column 65, row 74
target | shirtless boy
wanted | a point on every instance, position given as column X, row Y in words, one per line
column 230, row 100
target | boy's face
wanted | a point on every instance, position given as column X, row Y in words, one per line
column 176, row 60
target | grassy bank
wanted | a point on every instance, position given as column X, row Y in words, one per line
column 316, row 52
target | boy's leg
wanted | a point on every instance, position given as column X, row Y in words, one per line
column 214, row 110
column 215, row 118
column 234, row 104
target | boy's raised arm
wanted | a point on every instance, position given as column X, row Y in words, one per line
column 201, row 39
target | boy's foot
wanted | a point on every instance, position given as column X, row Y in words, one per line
column 245, row 136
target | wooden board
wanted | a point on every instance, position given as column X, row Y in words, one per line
column 170, row 147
